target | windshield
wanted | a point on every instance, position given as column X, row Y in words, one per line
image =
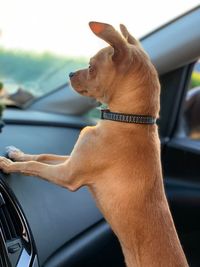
column 42, row 41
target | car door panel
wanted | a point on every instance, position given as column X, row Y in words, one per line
column 182, row 182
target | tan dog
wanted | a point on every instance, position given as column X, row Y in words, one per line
column 118, row 161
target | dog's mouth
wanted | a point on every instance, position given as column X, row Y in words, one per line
column 78, row 88
column 83, row 91
column 75, row 83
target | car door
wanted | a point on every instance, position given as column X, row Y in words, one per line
column 181, row 158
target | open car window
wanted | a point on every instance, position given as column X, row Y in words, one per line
column 28, row 75
column 38, row 49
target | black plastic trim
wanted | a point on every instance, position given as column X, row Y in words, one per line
column 85, row 246
column 186, row 144
column 45, row 119
column 29, row 250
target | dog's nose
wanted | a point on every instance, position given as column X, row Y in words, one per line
column 71, row 74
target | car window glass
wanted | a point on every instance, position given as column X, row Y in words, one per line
column 41, row 42
column 192, row 105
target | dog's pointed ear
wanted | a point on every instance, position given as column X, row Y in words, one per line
column 130, row 39
column 112, row 37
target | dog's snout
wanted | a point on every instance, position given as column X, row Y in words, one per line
column 71, row 74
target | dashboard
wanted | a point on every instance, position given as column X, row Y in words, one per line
column 53, row 224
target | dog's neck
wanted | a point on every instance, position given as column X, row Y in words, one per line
column 140, row 101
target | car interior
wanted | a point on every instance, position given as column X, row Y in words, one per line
column 42, row 224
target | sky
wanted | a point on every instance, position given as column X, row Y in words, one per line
column 61, row 26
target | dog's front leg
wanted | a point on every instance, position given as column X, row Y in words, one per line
column 73, row 173
column 18, row 155
column 57, row 174
column 50, row 158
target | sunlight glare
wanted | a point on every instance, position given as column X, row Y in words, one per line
column 62, row 26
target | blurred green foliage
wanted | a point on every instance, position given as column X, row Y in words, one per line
column 41, row 72
column 1, row 86
column 94, row 113
column 195, row 79
column 2, row 107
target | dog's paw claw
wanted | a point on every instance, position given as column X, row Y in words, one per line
column 10, row 150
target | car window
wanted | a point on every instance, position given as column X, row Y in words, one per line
column 37, row 73
column 192, row 105
column 42, row 41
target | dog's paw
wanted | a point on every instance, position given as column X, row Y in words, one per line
column 5, row 165
column 13, row 153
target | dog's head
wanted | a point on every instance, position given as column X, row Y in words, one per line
column 119, row 69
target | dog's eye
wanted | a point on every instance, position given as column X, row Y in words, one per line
column 91, row 68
